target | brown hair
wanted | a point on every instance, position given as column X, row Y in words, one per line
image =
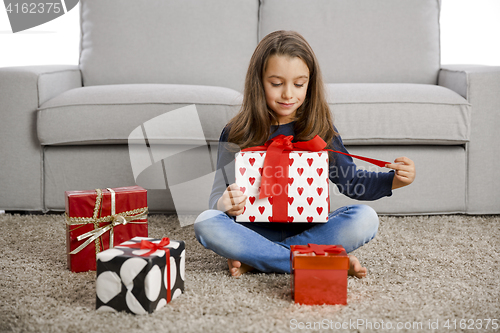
column 252, row 125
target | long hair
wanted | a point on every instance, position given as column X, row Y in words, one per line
column 252, row 125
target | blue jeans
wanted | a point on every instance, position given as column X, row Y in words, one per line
column 266, row 246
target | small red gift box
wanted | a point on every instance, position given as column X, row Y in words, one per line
column 319, row 274
column 97, row 220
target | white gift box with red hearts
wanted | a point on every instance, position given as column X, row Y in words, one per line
column 308, row 196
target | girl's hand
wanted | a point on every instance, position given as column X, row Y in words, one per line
column 232, row 201
column 405, row 172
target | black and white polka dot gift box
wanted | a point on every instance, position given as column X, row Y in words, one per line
column 136, row 275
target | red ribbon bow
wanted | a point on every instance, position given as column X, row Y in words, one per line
column 277, row 163
column 145, row 244
column 319, row 249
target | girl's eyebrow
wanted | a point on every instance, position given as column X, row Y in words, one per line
column 279, row 77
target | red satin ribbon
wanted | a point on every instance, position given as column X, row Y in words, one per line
column 144, row 245
column 278, row 150
column 319, row 249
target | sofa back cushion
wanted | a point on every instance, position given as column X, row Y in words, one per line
column 364, row 41
column 167, row 41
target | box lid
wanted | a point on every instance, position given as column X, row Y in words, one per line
column 315, row 256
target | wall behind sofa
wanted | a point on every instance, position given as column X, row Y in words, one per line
column 469, row 34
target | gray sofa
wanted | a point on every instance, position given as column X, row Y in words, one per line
column 66, row 127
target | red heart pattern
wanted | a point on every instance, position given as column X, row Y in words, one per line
column 306, row 181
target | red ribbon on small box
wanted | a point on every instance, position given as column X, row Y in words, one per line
column 277, row 156
column 153, row 247
column 319, row 249
column 145, row 244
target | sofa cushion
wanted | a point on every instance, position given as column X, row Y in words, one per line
column 108, row 114
column 364, row 41
column 369, row 114
column 363, row 113
column 167, row 41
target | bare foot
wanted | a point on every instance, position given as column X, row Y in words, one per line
column 355, row 268
column 236, row 268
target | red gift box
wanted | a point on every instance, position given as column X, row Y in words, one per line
column 319, row 274
column 97, row 220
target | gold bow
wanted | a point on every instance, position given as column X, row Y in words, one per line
column 114, row 219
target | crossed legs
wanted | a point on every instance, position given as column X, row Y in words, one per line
column 266, row 247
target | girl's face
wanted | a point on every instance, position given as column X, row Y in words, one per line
column 285, row 85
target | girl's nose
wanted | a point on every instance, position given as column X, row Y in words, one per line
column 287, row 93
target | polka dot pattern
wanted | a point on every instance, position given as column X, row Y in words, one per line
column 108, row 285
column 152, row 283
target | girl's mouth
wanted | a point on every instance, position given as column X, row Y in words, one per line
column 286, row 104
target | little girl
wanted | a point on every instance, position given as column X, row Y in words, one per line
column 284, row 94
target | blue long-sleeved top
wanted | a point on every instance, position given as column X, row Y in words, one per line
column 355, row 183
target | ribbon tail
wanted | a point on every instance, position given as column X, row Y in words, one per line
column 91, row 239
column 81, row 247
column 88, row 234
column 366, row 159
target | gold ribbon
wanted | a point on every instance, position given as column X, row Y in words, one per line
column 114, row 219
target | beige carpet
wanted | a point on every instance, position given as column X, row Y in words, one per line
column 422, row 271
